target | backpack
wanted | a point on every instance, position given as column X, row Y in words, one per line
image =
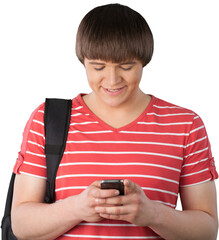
column 57, row 116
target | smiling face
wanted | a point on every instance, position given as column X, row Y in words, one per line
column 114, row 84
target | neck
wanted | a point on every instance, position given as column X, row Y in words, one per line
column 118, row 116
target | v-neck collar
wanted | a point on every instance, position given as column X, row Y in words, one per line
column 107, row 126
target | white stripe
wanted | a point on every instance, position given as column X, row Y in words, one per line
column 32, row 175
column 79, row 114
column 166, row 106
column 189, row 185
column 117, row 175
column 39, row 134
column 190, row 164
column 92, row 132
column 75, row 115
column 199, row 140
column 70, row 188
column 36, row 121
column 156, row 133
column 165, row 124
column 41, row 111
column 77, row 108
column 196, row 129
column 166, row 203
column 168, row 115
column 191, row 154
column 129, row 142
column 159, row 190
column 107, row 225
column 34, row 143
column 108, row 237
column 36, row 154
column 82, row 123
column 143, row 153
column 190, row 174
column 118, row 164
column 34, row 164
column 196, row 117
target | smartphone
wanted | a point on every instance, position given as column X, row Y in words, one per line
column 113, row 184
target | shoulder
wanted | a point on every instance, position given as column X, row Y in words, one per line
column 163, row 105
column 177, row 113
column 34, row 123
column 36, row 116
column 78, row 105
column 172, row 112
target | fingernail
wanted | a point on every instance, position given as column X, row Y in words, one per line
column 127, row 182
column 98, row 200
column 116, row 193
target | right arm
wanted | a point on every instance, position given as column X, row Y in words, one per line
column 33, row 219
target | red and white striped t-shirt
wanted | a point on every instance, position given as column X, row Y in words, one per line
column 164, row 149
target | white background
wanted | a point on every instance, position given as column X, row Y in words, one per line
column 37, row 60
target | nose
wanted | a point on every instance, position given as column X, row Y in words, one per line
column 113, row 77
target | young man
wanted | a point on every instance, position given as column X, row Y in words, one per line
column 118, row 131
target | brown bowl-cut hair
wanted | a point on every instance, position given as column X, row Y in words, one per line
column 114, row 33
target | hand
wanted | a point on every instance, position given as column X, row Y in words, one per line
column 134, row 207
column 86, row 202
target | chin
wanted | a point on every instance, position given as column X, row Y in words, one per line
column 114, row 104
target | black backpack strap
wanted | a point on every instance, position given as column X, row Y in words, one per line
column 57, row 116
column 7, row 233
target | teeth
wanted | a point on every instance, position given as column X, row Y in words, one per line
column 113, row 90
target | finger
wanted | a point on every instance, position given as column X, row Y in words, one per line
column 114, row 217
column 106, row 193
column 101, row 194
column 96, row 184
column 116, row 201
column 130, row 187
column 121, row 210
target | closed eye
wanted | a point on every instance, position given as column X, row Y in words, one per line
column 127, row 65
column 99, row 68
column 126, row 68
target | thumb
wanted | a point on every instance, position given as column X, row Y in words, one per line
column 96, row 184
column 130, row 187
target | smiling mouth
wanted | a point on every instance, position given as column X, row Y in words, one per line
column 113, row 90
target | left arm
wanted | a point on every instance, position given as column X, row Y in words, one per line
column 197, row 221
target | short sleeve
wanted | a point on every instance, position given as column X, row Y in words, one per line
column 31, row 158
column 198, row 164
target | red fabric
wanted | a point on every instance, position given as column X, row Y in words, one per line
column 31, row 158
column 162, row 150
